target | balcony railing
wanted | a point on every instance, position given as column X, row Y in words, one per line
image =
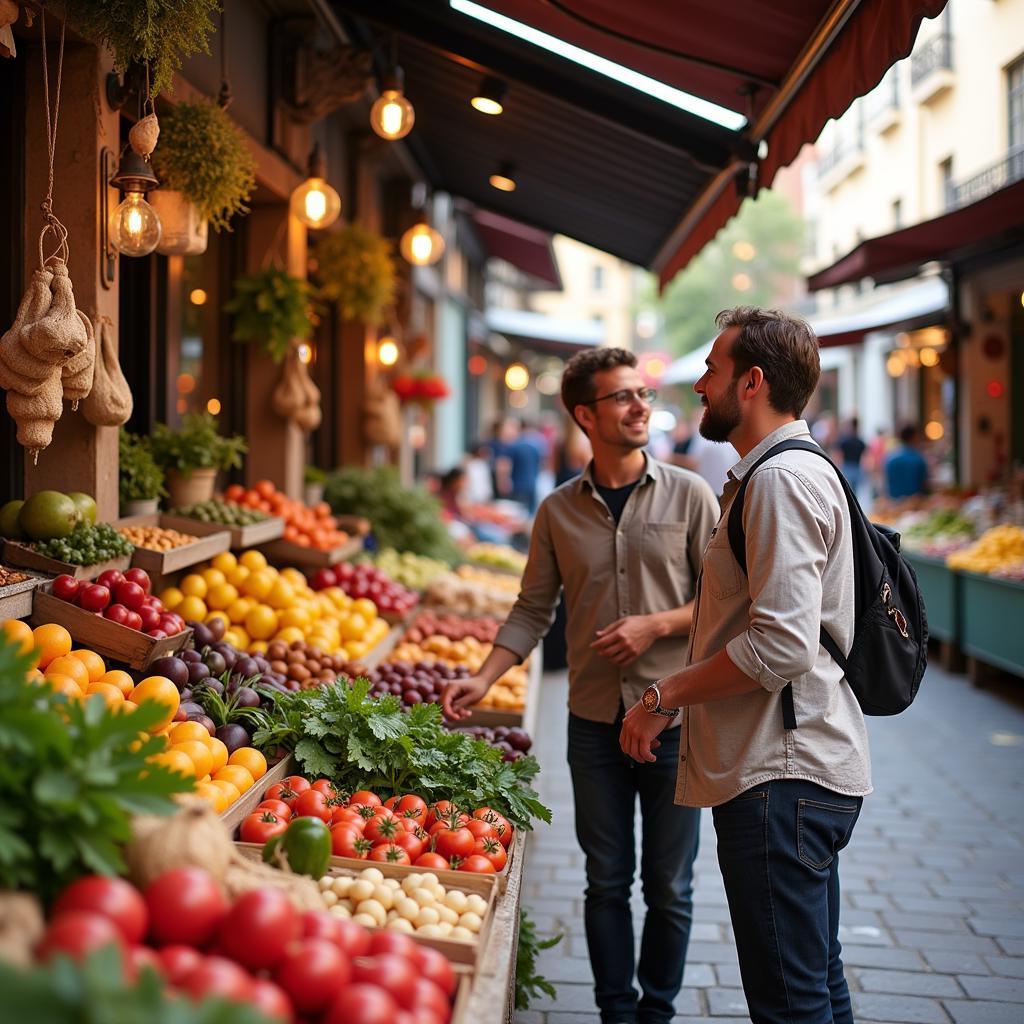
column 935, row 55
column 885, row 97
column 846, row 147
column 1008, row 171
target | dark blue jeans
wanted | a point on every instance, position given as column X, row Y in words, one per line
column 778, row 848
column 606, row 784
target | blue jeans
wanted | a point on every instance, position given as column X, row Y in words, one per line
column 778, row 848
column 606, row 784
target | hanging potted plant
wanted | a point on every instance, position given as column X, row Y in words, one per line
column 207, row 174
column 140, row 479
column 356, row 272
column 274, row 308
column 192, row 455
column 421, row 386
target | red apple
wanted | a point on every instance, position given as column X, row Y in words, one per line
column 110, row 578
column 169, row 625
column 131, row 595
column 139, row 576
column 323, row 578
column 94, row 597
column 134, row 620
column 117, row 613
column 66, row 587
column 156, row 634
column 149, row 618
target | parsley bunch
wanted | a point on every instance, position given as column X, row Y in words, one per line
column 71, row 776
column 357, row 742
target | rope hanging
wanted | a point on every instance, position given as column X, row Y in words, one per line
column 53, row 222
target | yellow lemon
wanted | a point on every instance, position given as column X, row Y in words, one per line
column 194, row 585
column 240, row 608
column 259, row 582
column 354, row 627
column 237, row 637
column 261, row 622
column 356, row 648
column 171, row 597
column 253, row 560
column 193, row 608
column 297, row 616
column 214, row 577
column 289, row 635
column 258, row 647
column 294, row 577
column 282, row 594
column 237, row 576
column 365, row 607
column 221, row 596
column 225, row 561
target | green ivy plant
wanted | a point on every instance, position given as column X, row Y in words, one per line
column 139, row 477
column 530, row 984
column 356, row 272
column 202, row 154
column 274, row 308
column 196, row 445
column 72, row 774
column 162, row 32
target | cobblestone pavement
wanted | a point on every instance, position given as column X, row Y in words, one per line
column 933, row 879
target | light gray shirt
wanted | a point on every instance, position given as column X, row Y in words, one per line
column 646, row 563
column 800, row 564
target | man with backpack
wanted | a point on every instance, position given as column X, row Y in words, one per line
column 773, row 734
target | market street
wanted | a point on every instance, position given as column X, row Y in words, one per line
column 933, row 880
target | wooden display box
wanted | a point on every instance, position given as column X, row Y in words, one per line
column 160, row 563
column 16, row 598
column 375, row 655
column 241, row 536
column 284, row 552
column 990, row 607
column 23, row 557
column 108, row 639
column 250, row 800
column 485, row 886
column 525, row 717
column 355, row 526
column 942, row 590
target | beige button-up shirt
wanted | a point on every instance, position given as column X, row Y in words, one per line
column 800, row 564
column 647, row 563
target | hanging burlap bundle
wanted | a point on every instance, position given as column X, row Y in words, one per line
column 18, row 370
column 36, row 414
column 77, row 374
column 143, row 135
column 109, row 403
column 289, row 395
column 309, row 415
column 59, row 335
column 382, row 416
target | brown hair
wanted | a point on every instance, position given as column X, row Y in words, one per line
column 783, row 346
column 578, row 376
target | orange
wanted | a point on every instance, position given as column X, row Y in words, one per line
column 289, row 634
column 69, row 666
column 236, row 775
column 237, row 637
column 296, row 616
column 365, row 607
column 122, row 680
column 282, row 594
column 51, row 641
column 354, row 627
column 251, row 759
column 183, row 731
column 199, row 754
column 63, row 684
column 220, row 754
column 92, row 661
column 161, row 690
column 225, row 561
column 229, row 789
column 176, row 760
column 214, row 795
column 261, row 622
column 194, row 585
column 191, row 608
column 238, row 610
column 18, row 632
column 171, row 598
column 237, row 577
column 253, row 560
column 110, row 693
column 221, row 595
column 259, row 581
column 213, row 577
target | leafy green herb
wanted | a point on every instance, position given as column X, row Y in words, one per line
column 274, row 308
column 196, row 444
column 356, row 271
column 139, row 477
column 529, row 984
column 70, row 778
column 64, row 992
column 338, row 731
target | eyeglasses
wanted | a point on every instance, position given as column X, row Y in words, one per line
column 626, row 397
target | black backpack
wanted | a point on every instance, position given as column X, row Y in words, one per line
column 890, row 637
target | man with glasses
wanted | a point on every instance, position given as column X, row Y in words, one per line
column 624, row 540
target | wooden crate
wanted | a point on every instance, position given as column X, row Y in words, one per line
column 108, row 639
column 234, row 815
column 485, row 886
column 241, row 536
column 160, row 563
column 24, row 557
column 16, row 598
column 284, row 553
column 375, row 655
column 356, row 526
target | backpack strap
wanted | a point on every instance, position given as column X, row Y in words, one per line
column 738, row 543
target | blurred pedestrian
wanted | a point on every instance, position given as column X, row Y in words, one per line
column 851, row 448
column 906, row 471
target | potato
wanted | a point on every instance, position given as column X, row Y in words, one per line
column 427, row 915
column 424, row 897
column 477, row 904
column 394, row 884
column 342, row 884
column 330, row 897
column 407, row 908
column 447, row 915
column 430, row 931
column 470, row 921
column 365, row 920
column 400, row 924
column 340, row 911
column 446, row 927
column 373, row 909
column 413, row 881
column 456, row 899
column 430, row 880
column 374, row 875
column 384, row 896
column 461, row 934
column 326, row 882
column 361, row 889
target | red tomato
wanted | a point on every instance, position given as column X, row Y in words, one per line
column 259, row 927
column 481, row 828
column 353, row 938
column 268, row 998
column 278, row 807
column 259, row 826
column 362, row 1004
column 312, row 804
column 429, row 996
column 498, row 822
column 439, row 810
column 281, row 791
column 185, row 907
column 138, row 958
column 432, row 860
column 139, row 576
column 389, row 853
column 454, row 842
column 94, row 597
column 491, row 848
column 477, row 864
column 348, row 816
column 412, row 806
column 113, row 898
column 178, row 961
column 434, row 965
column 364, row 796
column 326, row 787
column 77, row 933
column 298, row 783
column 348, row 841
column 411, row 843
column 391, row 972
column 381, row 830
column 312, row 973
column 110, row 578
column 383, row 941
column 318, row 924
column 66, row 588
column 216, row 976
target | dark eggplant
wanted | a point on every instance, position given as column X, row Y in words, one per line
column 197, row 672
column 217, row 628
column 216, row 685
column 171, row 668
column 227, row 652
column 215, row 663
column 233, row 736
column 191, row 709
column 246, row 667
column 202, row 635
column 247, row 697
column 207, row 722
column 191, row 656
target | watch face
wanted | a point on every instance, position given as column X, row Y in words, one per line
column 650, row 699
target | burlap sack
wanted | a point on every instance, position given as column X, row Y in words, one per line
column 109, row 403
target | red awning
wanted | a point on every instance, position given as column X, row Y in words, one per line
column 524, row 247
column 989, row 222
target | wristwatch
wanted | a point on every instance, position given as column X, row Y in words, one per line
column 651, row 701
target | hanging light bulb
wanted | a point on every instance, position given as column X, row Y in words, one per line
column 517, row 377
column 314, row 202
column 421, row 245
column 387, row 351
column 490, row 97
column 504, row 178
column 392, row 116
column 134, row 228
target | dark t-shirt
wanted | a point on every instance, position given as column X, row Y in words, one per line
column 616, row 497
column 853, row 449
